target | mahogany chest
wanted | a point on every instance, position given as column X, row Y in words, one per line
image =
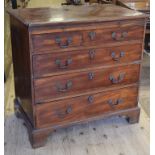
column 75, row 64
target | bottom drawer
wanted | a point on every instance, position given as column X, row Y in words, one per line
column 81, row 108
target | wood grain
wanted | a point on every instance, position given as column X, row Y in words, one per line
column 47, row 89
column 72, row 14
column 83, row 107
column 45, row 65
column 47, row 42
column 21, row 65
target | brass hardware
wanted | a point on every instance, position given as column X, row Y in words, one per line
column 92, row 54
column 90, row 99
column 118, row 36
column 68, row 110
column 64, row 114
column 59, row 42
column 113, row 55
column 114, row 103
column 115, row 81
column 65, row 88
column 125, row 34
column 63, row 66
column 113, row 35
column 92, row 35
column 91, row 75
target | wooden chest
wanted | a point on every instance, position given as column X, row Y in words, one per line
column 75, row 64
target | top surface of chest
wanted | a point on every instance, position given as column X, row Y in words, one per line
column 73, row 14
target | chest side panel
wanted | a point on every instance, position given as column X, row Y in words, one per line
column 22, row 65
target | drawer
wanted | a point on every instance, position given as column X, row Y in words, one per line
column 56, row 87
column 84, row 107
column 113, row 35
column 56, row 41
column 56, row 63
column 64, row 41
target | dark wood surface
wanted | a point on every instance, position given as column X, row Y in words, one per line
column 73, row 61
column 61, row 28
column 83, row 107
column 73, row 14
column 22, row 65
column 47, row 88
column 48, row 42
column 54, row 87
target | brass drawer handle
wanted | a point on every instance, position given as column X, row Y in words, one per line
column 113, row 55
column 92, row 35
column 90, row 99
column 92, row 54
column 114, row 103
column 65, row 113
column 59, row 42
column 63, row 66
column 118, row 80
column 119, row 36
column 65, row 88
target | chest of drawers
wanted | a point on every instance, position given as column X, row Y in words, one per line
column 75, row 64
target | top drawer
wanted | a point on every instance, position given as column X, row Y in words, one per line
column 56, row 41
column 92, row 36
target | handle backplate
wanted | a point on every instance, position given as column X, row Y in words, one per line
column 67, row 111
column 118, row 80
column 117, row 58
column 64, row 88
column 91, row 54
column 113, row 103
column 59, row 63
column 119, row 36
column 91, row 75
column 61, row 44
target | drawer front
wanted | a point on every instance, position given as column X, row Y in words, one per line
column 57, row 87
column 55, row 63
column 64, row 41
column 88, row 106
column 56, row 41
column 113, row 35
